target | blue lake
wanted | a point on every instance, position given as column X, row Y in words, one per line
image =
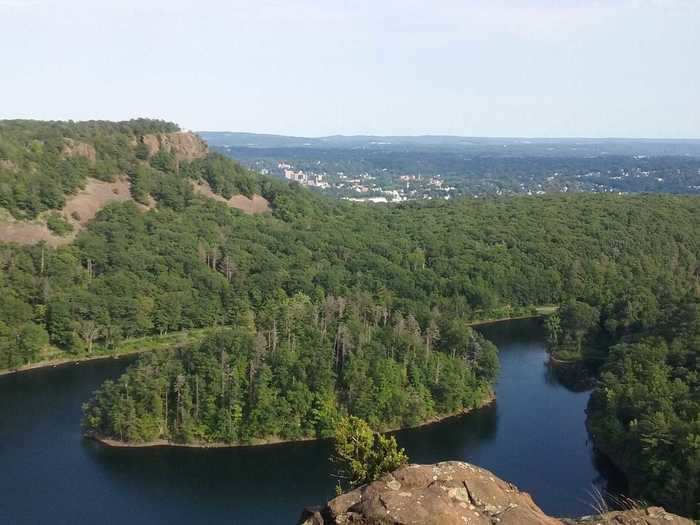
column 533, row 436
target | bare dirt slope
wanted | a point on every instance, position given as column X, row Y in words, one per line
column 96, row 195
column 258, row 204
column 79, row 210
column 30, row 233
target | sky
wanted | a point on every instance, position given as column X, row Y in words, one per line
column 515, row 68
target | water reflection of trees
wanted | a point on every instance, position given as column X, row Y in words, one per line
column 610, row 480
column 522, row 330
column 454, row 439
column 242, row 476
column 575, row 378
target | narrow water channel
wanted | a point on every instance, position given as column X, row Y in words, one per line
column 533, row 436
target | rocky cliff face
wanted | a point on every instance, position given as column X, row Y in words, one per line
column 184, row 145
column 73, row 148
column 455, row 493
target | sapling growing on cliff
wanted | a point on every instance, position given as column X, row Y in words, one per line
column 361, row 455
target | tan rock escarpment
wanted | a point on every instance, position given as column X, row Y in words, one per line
column 455, row 493
column 74, row 148
column 185, row 145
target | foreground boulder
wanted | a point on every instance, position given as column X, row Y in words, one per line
column 648, row 516
column 455, row 493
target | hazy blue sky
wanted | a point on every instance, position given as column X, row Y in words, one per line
column 315, row 67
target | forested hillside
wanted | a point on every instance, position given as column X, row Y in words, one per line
column 644, row 413
column 42, row 163
column 331, row 306
column 196, row 263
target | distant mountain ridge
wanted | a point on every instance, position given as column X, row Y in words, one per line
column 515, row 145
column 396, row 168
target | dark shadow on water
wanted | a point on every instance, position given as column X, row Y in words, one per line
column 250, row 484
column 451, row 439
column 521, row 330
column 611, row 479
column 574, row 377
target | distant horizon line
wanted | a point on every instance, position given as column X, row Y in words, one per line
column 450, row 136
column 368, row 135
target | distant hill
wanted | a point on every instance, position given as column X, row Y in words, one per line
column 443, row 167
column 56, row 176
column 583, row 147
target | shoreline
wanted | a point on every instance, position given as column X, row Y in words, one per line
column 56, row 363
column 64, row 361
column 268, row 442
column 481, row 322
column 76, row 360
column 607, row 455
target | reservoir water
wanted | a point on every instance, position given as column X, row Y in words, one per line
column 533, row 436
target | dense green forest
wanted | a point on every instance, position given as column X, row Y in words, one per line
column 645, row 410
column 325, row 307
column 293, row 371
column 202, row 264
column 645, row 414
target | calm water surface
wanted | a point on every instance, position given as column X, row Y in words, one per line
column 534, row 436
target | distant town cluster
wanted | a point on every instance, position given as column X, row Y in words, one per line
column 314, row 180
column 369, row 188
column 401, row 169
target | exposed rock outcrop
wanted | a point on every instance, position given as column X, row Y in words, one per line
column 74, row 148
column 455, row 493
column 648, row 516
column 185, row 145
column 8, row 165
